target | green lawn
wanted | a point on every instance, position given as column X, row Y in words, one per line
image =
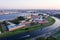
column 48, row 38
column 1, row 29
column 54, row 35
column 58, row 38
column 21, row 30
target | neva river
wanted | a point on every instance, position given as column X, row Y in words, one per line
column 11, row 16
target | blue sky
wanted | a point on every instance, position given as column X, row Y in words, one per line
column 30, row 4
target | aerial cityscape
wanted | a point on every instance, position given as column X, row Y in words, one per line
column 29, row 20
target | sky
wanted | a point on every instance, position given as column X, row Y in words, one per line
column 29, row 4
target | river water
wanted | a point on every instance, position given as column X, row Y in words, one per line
column 11, row 16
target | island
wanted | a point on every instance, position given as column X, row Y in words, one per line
column 23, row 24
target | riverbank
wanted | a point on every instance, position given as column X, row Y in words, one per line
column 57, row 15
column 54, row 34
column 35, row 27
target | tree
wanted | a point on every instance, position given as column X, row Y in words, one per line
column 15, row 21
column 32, row 23
column 51, row 38
column 21, row 18
column 4, row 22
column 5, row 25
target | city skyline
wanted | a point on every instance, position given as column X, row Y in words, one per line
column 29, row 4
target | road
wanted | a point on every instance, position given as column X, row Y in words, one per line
column 34, row 33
